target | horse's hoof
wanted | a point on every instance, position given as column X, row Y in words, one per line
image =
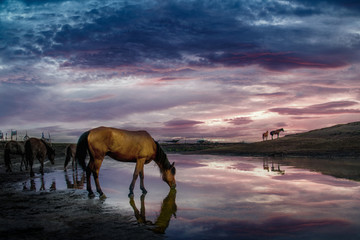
column 144, row 191
column 102, row 196
column 131, row 195
column 91, row 195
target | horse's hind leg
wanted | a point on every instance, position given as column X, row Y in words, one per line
column 31, row 161
column 41, row 166
column 88, row 181
column 23, row 162
column 95, row 172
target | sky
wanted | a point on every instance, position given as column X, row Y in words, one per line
column 186, row 69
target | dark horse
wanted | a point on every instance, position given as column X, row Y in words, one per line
column 17, row 148
column 38, row 148
column 125, row 146
column 276, row 132
column 265, row 135
column 70, row 154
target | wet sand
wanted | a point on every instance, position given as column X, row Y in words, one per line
column 61, row 214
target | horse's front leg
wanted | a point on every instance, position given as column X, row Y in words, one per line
column 132, row 184
column 142, row 187
column 139, row 169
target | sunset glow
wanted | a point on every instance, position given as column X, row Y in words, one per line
column 194, row 69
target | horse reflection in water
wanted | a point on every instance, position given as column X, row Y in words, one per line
column 77, row 182
column 42, row 185
column 125, row 146
column 273, row 168
column 15, row 148
column 168, row 209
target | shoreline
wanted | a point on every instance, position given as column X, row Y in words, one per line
column 61, row 214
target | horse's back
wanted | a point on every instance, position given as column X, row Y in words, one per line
column 121, row 144
column 15, row 147
column 34, row 145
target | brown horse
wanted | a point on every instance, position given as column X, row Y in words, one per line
column 70, row 154
column 125, row 146
column 265, row 135
column 38, row 148
column 276, row 132
column 16, row 148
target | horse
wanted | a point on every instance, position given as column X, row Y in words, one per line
column 265, row 135
column 38, row 148
column 70, row 154
column 17, row 148
column 125, row 146
column 276, row 132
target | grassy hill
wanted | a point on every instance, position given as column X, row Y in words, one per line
column 339, row 140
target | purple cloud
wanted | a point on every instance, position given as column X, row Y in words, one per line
column 320, row 109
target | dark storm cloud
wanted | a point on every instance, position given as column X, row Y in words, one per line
column 155, row 34
column 194, row 68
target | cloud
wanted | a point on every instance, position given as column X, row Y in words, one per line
column 338, row 107
column 239, row 121
column 195, row 68
column 181, row 123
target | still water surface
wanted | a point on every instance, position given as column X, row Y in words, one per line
column 227, row 197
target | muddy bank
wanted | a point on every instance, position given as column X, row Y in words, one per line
column 61, row 214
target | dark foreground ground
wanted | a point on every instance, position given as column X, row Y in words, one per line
column 64, row 214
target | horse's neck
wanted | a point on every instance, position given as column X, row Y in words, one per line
column 161, row 159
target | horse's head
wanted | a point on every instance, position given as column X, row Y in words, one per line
column 168, row 176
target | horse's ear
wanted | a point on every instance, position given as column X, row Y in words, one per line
column 173, row 169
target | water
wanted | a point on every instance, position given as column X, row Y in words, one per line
column 223, row 197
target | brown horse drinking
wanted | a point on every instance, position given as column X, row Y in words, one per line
column 38, row 148
column 17, row 148
column 276, row 132
column 265, row 135
column 70, row 154
column 125, row 146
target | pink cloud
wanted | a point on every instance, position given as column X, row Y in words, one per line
column 182, row 123
column 338, row 107
column 239, row 121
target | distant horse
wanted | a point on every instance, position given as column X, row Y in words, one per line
column 276, row 132
column 125, row 146
column 17, row 148
column 70, row 154
column 38, row 148
column 265, row 135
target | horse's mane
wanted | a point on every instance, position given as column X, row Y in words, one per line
column 161, row 159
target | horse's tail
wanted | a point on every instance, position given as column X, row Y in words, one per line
column 28, row 152
column 67, row 156
column 7, row 159
column 81, row 149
